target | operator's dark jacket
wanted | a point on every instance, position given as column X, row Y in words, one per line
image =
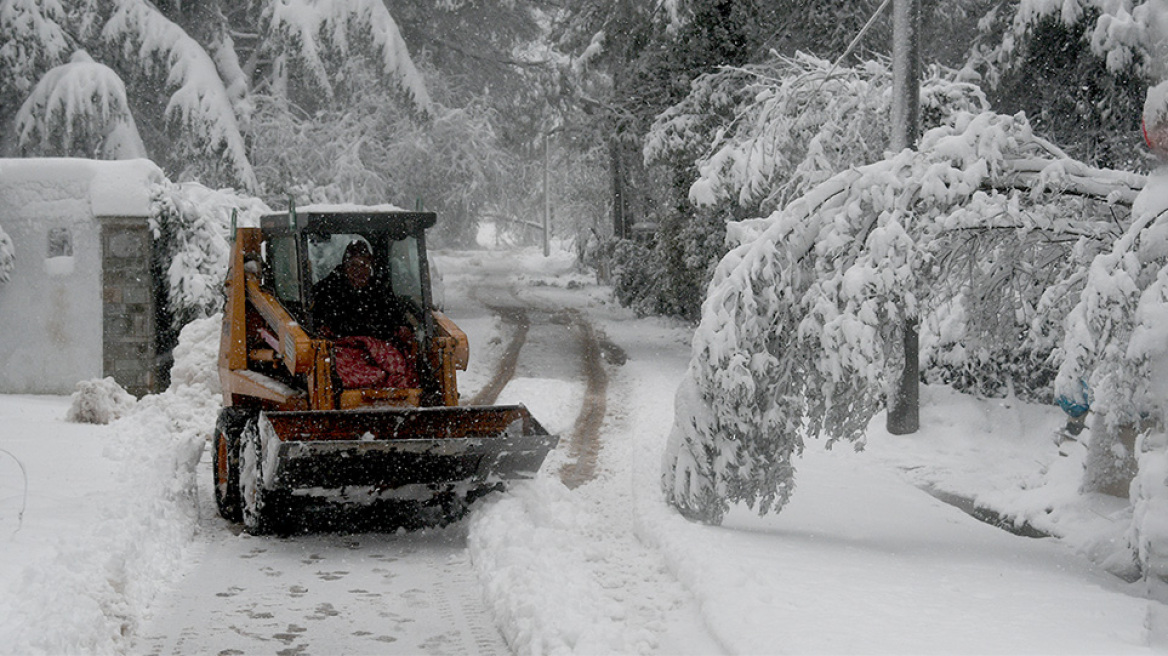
column 348, row 311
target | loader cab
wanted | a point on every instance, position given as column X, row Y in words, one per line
column 302, row 247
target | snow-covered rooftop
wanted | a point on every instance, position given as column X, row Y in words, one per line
column 116, row 188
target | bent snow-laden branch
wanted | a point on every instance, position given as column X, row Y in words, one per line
column 800, row 328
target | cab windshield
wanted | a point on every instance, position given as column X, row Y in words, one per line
column 396, row 262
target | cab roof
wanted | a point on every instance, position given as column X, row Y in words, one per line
column 348, row 219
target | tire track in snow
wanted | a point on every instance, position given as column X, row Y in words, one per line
column 505, row 369
column 584, row 442
column 660, row 613
column 584, row 448
column 646, row 609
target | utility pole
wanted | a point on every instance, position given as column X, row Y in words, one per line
column 619, row 215
column 904, row 415
column 547, row 194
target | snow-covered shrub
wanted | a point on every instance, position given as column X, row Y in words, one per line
column 1116, row 339
column 7, row 256
column 99, row 401
column 1116, row 359
column 634, row 276
column 191, row 224
column 801, row 328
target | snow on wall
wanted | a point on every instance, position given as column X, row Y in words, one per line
column 51, row 306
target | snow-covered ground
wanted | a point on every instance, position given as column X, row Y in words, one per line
column 861, row 561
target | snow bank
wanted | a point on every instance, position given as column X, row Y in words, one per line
column 84, row 588
column 534, row 570
column 196, row 357
column 1001, row 455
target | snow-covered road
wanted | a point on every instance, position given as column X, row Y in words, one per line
column 116, row 555
column 403, row 593
column 418, row 592
column 322, row 594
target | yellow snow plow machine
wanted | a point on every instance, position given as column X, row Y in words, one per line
column 339, row 382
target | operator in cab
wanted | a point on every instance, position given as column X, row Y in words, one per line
column 353, row 306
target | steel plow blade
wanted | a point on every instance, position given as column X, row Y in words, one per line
column 400, row 452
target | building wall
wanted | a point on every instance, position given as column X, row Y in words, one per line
column 50, row 305
column 52, row 316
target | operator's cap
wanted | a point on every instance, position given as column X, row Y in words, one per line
column 356, row 248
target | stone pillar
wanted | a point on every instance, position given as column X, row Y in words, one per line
column 128, row 323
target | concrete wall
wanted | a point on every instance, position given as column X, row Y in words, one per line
column 52, row 315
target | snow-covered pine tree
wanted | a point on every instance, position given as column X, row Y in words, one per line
column 165, row 67
column 310, row 42
column 192, row 225
column 1078, row 68
column 32, row 41
column 1122, row 33
column 79, row 109
column 192, row 99
column 800, row 328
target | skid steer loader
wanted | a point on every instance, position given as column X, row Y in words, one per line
column 295, row 439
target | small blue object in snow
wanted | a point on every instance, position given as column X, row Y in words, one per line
column 1076, row 408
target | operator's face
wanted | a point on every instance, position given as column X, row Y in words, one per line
column 359, row 270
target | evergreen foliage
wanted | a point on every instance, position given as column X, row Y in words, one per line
column 81, row 108
column 1112, row 340
column 1079, row 69
column 650, row 54
column 1115, row 356
column 223, row 93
